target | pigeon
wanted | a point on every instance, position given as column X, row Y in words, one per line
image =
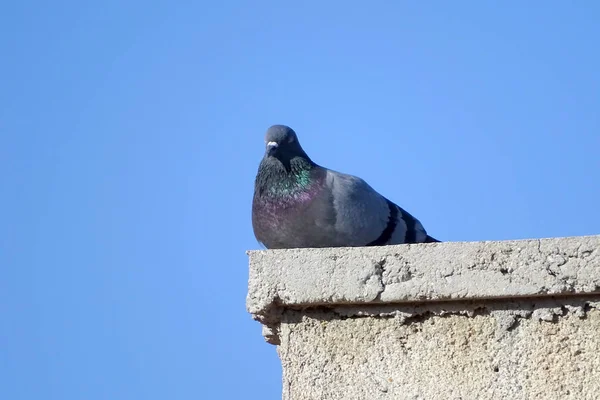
column 299, row 204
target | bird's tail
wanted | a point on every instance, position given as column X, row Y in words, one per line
column 430, row 239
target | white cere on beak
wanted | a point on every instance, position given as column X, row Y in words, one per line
column 272, row 144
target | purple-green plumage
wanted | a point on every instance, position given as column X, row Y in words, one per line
column 286, row 185
column 298, row 203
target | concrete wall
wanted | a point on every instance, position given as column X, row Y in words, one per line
column 485, row 320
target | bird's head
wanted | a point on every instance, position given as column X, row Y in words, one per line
column 281, row 142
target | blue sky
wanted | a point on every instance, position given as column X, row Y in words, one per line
column 130, row 134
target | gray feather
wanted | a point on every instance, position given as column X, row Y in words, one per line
column 298, row 203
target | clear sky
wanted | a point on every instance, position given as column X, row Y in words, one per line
column 130, row 134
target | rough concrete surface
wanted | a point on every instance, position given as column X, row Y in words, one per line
column 440, row 357
column 485, row 320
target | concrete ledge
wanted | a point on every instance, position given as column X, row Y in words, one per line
column 411, row 274
column 488, row 320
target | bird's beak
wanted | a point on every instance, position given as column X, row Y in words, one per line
column 271, row 147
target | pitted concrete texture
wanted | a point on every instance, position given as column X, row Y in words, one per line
column 328, row 356
column 486, row 320
column 300, row 278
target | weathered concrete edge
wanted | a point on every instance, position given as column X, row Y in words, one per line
column 405, row 274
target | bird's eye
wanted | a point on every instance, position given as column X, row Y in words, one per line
column 291, row 139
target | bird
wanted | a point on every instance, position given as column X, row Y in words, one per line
column 300, row 204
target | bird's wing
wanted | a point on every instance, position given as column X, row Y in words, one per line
column 363, row 217
column 358, row 213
